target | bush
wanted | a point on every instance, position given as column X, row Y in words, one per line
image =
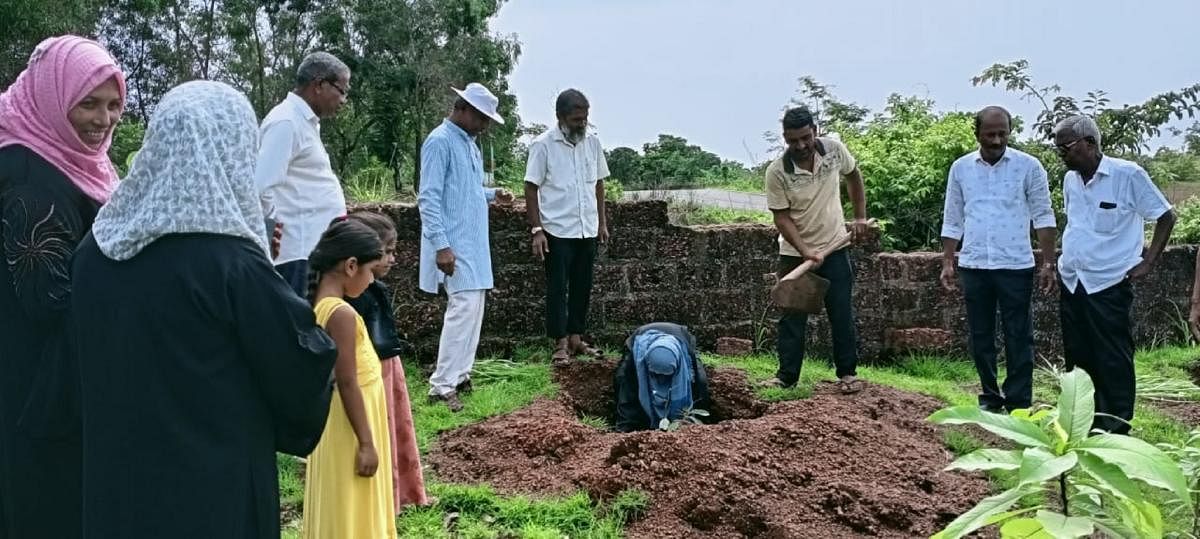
column 127, row 139
column 1187, row 225
column 371, row 183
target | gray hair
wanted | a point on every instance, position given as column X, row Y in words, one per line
column 319, row 66
column 1079, row 126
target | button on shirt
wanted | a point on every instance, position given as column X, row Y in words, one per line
column 295, row 180
column 989, row 208
column 1106, row 221
column 566, row 176
column 454, row 211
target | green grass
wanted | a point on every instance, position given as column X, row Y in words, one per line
column 684, row 213
column 502, row 386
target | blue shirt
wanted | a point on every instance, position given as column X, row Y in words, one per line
column 454, row 211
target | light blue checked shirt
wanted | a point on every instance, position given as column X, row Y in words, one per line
column 454, row 211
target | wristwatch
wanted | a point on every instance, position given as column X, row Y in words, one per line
column 535, row 230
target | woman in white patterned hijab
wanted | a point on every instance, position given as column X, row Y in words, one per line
column 192, row 349
column 194, row 174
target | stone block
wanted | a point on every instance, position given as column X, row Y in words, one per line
column 645, row 214
column 733, row 346
column 629, row 243
column 935, row 340
column 609, row 280
column 650, row 277
column 699, row 275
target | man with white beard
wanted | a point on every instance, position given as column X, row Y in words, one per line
column 564, row 196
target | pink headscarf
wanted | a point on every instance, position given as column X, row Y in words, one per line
column 33, row 111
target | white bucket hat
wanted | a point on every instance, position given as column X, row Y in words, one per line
column 482, row 99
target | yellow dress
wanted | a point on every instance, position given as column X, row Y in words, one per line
column 338, row 503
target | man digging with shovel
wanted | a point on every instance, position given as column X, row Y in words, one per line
column 803, row 193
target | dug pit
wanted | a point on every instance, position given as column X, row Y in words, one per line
column 828, row 466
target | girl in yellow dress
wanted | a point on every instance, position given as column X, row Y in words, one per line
column 348, row 488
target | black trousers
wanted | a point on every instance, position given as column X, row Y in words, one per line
column 569, row 266
column 1011, row 291
column 839, row 306
column 1098, row 338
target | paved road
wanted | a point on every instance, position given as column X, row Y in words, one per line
column 708, row 197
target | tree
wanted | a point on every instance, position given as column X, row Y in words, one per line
column 27, row 22
column 624, row 165
column 1125, row 129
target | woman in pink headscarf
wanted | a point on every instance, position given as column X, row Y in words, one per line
column 56, row 124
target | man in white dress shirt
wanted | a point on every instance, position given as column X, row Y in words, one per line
column 992, row 196
column 1104, row 253
column 564, row 196
column 296, row 184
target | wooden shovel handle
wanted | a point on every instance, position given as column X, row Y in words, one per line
column 808, row 264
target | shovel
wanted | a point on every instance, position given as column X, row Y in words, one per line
column 803, row 291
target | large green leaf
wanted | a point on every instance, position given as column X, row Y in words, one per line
column 1109, row 477
column 987, row 459
column 1062, row 526
column 1076, row 404
column 1018, row 430
column 1139, row 460
column 1024, row 528
column 1039, row 465
column 1125, row 519
column 980, row 515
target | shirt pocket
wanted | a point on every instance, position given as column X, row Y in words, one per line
column 589, row 169
column 1106, row 220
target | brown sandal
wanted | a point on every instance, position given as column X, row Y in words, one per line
column 849, row 385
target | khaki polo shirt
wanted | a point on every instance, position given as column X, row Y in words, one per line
column 813, row 199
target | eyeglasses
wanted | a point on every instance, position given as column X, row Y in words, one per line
column 340, row 90
column 1064, row 148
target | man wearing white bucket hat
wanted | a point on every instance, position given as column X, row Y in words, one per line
column 455, row 253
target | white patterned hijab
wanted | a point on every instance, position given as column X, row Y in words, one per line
column 194, row 174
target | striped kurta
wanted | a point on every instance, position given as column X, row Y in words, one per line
column 454, row 211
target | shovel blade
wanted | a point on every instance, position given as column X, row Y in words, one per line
column 805, row 293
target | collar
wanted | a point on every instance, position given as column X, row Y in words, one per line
column 1106, row 166
column 302, row 107
column 556, row 134
column 979, row 157
column 454, row 128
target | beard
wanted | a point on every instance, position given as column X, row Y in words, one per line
column 574, row 135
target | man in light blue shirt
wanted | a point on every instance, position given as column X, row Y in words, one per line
column 992, row 196
column 455, row 253
column 1104, row 253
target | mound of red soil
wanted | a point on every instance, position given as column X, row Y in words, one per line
column 828, row 466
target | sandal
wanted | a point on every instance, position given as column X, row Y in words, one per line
column 560, row 355
column 775, row 382
column 849, row 385
column 585, row 349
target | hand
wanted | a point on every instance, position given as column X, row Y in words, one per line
column 276, row 240
column 1140, row 270
column 947, row 277
column 603, row 233
column 445, row 261
column 504, row 197
column 1194, row 319
column 860, row 230
column 366, row 461
column 1047, row 278
column 815, row 256
column 540, row 245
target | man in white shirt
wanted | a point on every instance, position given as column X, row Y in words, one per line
column 992, row 195
column 296, row 184
column 1104, row 252
column 564, row 196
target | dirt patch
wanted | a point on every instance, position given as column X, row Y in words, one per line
column 828, row 466
column 1187, row 413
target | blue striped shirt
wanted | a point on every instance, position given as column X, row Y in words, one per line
column 454, row 211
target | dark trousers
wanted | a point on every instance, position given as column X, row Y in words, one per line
column 295, row 273
column 1010, row 290
column 569, row 267
column 1098, row 338
column 839, row 306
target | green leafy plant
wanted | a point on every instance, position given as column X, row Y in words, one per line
column 690, row 416
column 372, row 183
column 1099, row 479
column 1187, row 455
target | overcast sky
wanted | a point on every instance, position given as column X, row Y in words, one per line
column 718, row 72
